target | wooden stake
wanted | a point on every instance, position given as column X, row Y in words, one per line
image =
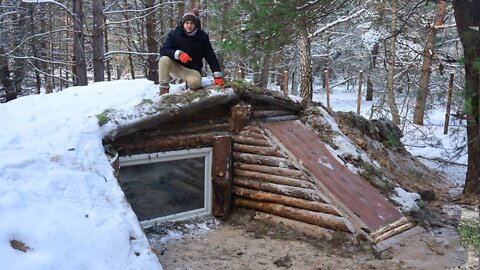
column 327, row 87
column 359, row 97
column 285, row 82
column 449, row 103
column 240, row 74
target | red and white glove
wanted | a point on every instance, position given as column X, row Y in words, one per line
column 218, row 81
column 218, row 78
column 184, row 57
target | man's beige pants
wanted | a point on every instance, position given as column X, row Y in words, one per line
column 168, row 67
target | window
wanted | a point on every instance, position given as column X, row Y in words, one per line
column 168, row 185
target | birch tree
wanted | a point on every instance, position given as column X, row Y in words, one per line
column 428, row 55
column 391, row 58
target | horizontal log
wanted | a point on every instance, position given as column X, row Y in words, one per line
column 252, row 135
column 285, row 200
column 315, row 218
column 393, row 232
column 276, row 179
column 262, row 160
column 163, row 144
column 280, row 101
column 250, row 141
column 271, row 170
column 281, row 118
column 208, row 127
column 298, row 192
column 389, row 227
column 257, row 150
column 253, row 129
column 270, row 113
column 171, row 113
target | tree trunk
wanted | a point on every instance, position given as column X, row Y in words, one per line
column 129, row 38
column 105, row 31
column 371, row 68
column 391, row 65
column 466, row 16
column 5, row 78
column 152, row 46
column 306, row 85
column 79, row 44
column 428, row 53
column 34, row 46
column 97, row 42
column 264, row 71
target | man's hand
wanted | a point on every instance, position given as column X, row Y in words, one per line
column 184, row 57
column 218, row 81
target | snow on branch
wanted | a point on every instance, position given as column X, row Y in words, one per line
column 48, row 2
column 309, row 3
column 338, row 21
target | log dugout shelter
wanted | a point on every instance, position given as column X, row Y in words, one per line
column 245, row 148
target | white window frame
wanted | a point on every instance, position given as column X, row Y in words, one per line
column 177, row 155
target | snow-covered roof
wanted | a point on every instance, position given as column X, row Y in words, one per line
column 60, row 204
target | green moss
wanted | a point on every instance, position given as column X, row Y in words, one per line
column 372, row 175
column 469, row 232
column 392, row 141
column 104, row 117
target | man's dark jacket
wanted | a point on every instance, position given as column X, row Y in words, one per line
column 197, row 47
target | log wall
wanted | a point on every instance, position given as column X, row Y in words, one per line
column 267, row 180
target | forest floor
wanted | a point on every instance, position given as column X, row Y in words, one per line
column 253, row 240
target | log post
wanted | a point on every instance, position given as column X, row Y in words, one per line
column 327, row 87
column 239, row 117
column 221, row 176
column 359, row 96
column 239, row 74
column 449, row 104
column 285, row 82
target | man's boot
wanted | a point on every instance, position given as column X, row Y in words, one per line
column 164, row 88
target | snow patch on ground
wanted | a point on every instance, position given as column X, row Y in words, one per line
column 406, row 200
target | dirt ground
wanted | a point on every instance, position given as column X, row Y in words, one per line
column 252, row 240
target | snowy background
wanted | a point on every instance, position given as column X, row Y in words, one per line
column 58, row 194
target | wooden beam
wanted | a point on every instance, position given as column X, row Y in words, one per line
column 257, row 150
column 276, row 179
column 285, row 200
column 239, row 116
column 250, row 141
column 319, row 219
column 221, row 176
column 270, row 170
column 302, row 193
column 262, row 160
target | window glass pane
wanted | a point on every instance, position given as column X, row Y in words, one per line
column 164, row 188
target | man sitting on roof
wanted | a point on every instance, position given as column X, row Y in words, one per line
column 182, row 54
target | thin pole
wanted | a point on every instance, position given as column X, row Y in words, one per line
column 449, row 104
column 327, row 87
column 285, row 82
column 359, row 97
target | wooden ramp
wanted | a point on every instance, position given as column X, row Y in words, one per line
column 364, row 205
